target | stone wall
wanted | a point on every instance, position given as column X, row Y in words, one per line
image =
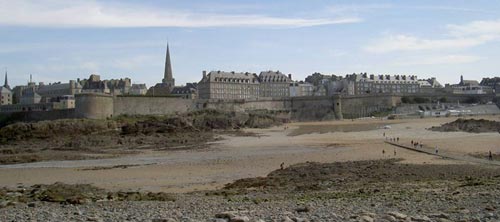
column 93, row 106
column 34, row 116
column 367, row 105
column 245, row 105
column 148, row 105
column 311, row 108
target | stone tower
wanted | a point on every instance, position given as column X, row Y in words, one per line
column 167, row 78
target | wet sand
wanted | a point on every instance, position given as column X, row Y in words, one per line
column 241, row 157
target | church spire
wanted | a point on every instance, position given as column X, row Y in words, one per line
column 6, row 83
column 168, row 77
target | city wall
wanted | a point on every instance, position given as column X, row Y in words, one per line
column 313, row 108
column 146, row 105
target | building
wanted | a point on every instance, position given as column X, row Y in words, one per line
column 301, row 89
column 94, row 84
column 138, row 89
column 5, row 93
column 229, row 85
column 468, row 87
column 30, row 96
column 63, row 102
column 274, row 84
column 373, row 84
column 189, row 91
column 168, row 82
column 54, row 90
column 430, row 86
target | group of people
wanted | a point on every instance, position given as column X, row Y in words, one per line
column 416, row 144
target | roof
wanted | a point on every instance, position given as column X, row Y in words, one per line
column 277, row 76
column 216, row 75
column 4, row 90
column 471, row 82
column 58, row 86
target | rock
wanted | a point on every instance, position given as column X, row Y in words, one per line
column 259, row 220
column 440, row 215
column 286, row 219
column 225, row 215
column 398, row 215
column 4, row 203
column 298, row 219
column 220, row 220
column 240, row 219
column 164, row 220
column 303, row 209
column 366, row 218
column 443, row 220
column 96, row 219
column 420, row 218
column 389, row 218
column 32, row 204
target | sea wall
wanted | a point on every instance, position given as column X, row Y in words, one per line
column 367, row 105
column 148, row 105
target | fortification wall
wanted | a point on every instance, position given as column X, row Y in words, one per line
column 93, row 106
column 366, row 105
column 146, row 105
column 245, row 105
column 312, row 108
column 34, row 116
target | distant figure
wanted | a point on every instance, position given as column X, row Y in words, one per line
column 383, row 152
column 421, row 145
column 397, row 139
column 412, row 142
column 437, row 151
column 490, row 156
column 384, row 134
column 282, row 165
column 394, row 152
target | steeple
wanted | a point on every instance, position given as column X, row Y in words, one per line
column 168, row 78
column 6, row 83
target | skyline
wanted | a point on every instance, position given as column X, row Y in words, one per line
column 58, row 41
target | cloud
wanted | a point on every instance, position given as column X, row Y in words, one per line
column 79, row 13
column 457, row 37
column 440, row 60
column 393, row 43
column 491, row 28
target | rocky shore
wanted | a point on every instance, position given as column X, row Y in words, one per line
column 352, row 191
column 74, row 139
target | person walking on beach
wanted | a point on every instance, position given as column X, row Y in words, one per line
column 490, row 156
column 437, row 151
column 282, row 165
column 397, row 139
column 394, row 151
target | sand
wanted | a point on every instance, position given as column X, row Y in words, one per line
column 238, row 157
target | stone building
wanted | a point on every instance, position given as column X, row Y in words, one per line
column 274, row 84
column 138, row 89
column 468, row 87
column 229, row 85
column 373, row 84
column 168, row 82
column 301, row 89
column 189, row 91
column 94, row 84
column 54, row 90
column 30, row 96
column 5, row 92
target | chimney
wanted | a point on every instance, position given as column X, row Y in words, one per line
column 290, row 76
column 204, row 74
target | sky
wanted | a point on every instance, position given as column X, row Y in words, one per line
column 59, row 40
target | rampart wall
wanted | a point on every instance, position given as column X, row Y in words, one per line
column 147, row 105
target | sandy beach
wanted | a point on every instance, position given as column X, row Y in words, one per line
column 237, row 157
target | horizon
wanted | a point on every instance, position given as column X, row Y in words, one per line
column 57, row 41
